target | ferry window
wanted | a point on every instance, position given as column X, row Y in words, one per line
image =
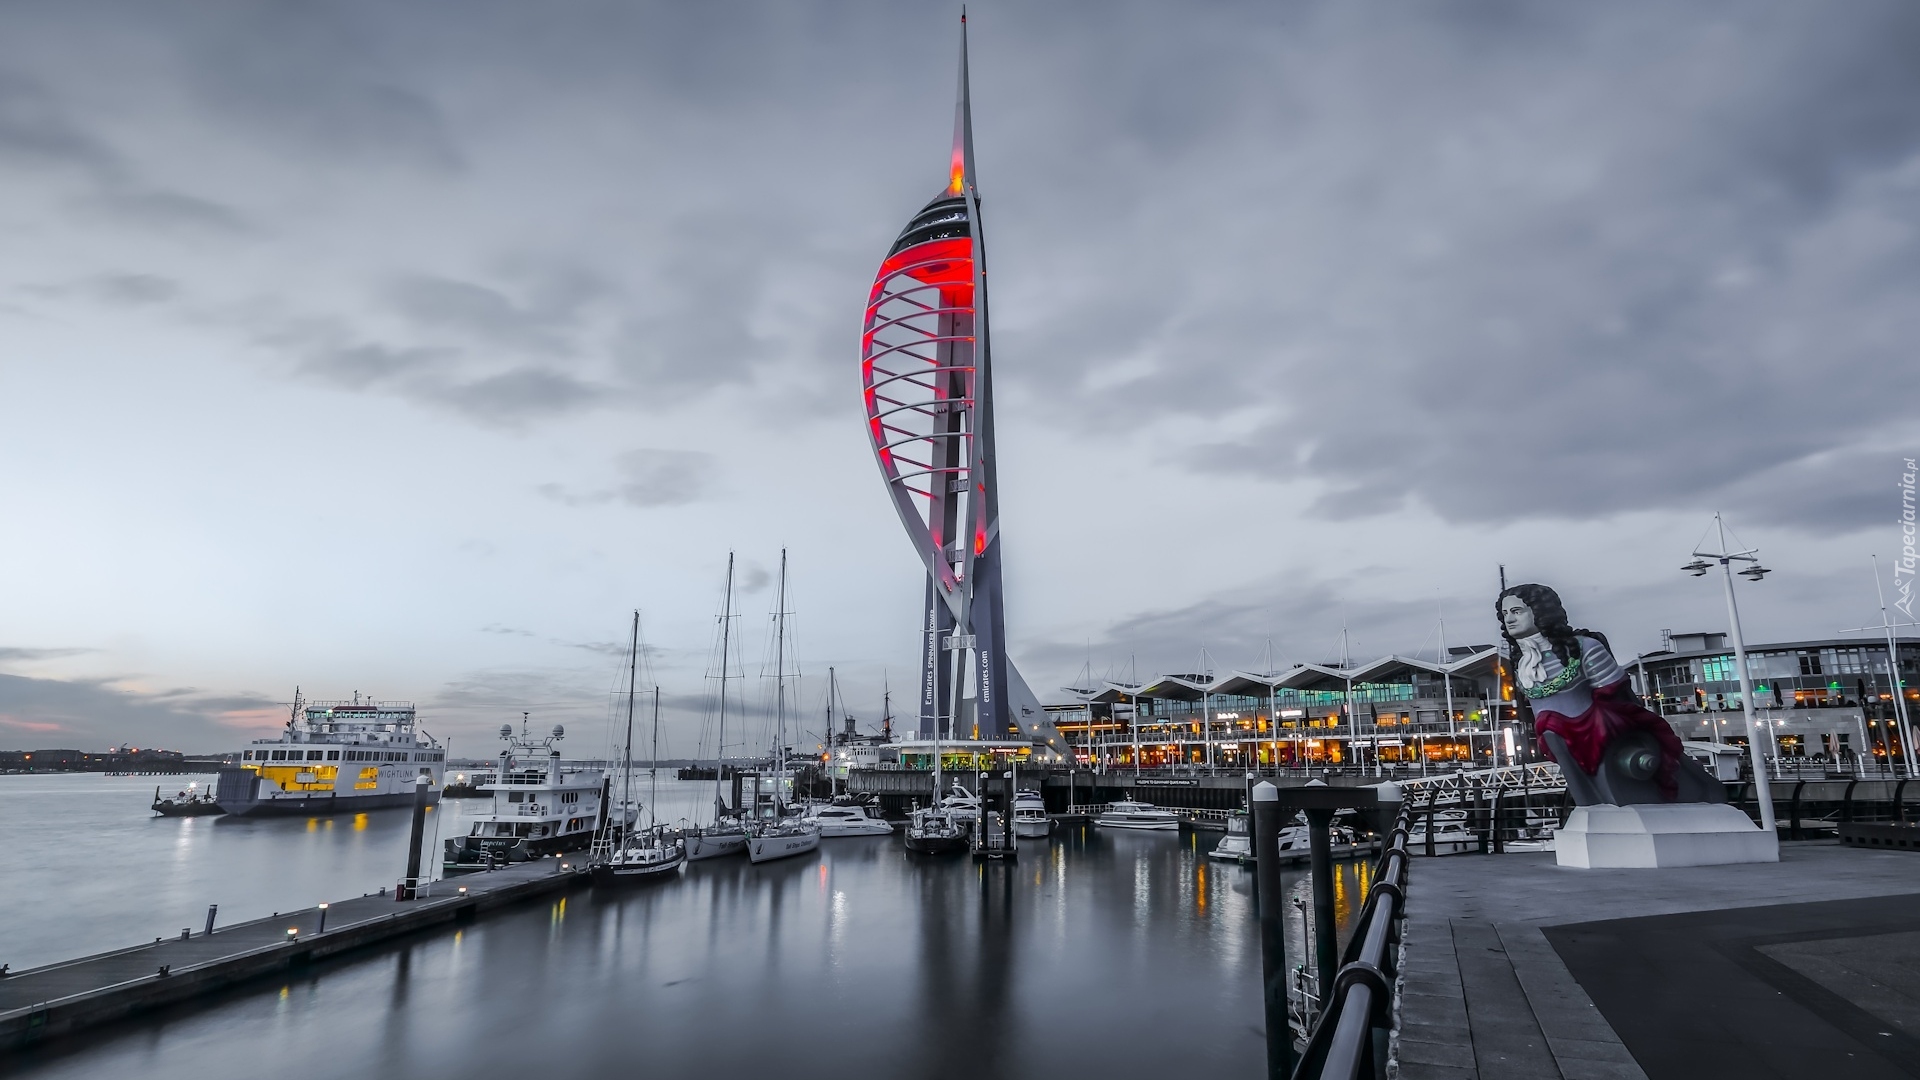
column 333, row 755
column 315, row 755
column 516, row 796
column 279, row 755
column 249, row 756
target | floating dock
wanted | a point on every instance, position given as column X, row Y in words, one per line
column 61, row 999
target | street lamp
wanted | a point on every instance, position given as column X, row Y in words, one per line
column 1754, row 572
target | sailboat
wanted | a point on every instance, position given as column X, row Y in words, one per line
column 781, row 837
column 625, row 854
column 725, row 836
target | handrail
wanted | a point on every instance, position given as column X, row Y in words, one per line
column 1349, row 1041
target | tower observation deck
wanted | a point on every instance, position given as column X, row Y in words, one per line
column 926, row 373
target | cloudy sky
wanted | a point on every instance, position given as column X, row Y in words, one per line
column 408, row 348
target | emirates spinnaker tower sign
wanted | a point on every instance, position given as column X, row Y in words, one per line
column 926, row 371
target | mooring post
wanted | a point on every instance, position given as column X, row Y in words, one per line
column 1326, row 943
column 410, row 888
column 1270, row 906
column 212, row 910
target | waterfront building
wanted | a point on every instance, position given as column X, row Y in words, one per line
column 1829, row 697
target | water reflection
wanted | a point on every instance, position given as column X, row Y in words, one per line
column 1114, row 956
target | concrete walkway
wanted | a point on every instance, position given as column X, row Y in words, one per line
column 1488, row 995
column 60, row 999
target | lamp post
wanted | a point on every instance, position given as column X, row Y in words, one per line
column 1753, row 572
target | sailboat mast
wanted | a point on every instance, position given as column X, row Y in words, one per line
column 780, row 683
column 653, row 767
column 626, row 763
column 720, row 742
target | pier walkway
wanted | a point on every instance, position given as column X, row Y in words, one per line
column 1809, row 967
column 60, row 999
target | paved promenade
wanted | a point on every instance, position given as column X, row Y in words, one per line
column 1517, row 968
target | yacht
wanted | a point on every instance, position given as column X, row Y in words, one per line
column 1127, row 814
column 539, row 808
column 724, row 835
column 779, row 835
column 848, row 819
column 1030, row 820
column 961, row 805
column 333, row 757
column 623, row 853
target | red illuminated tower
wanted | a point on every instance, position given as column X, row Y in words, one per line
column 927, row 375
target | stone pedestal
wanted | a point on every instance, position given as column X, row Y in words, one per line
column 1662, row 834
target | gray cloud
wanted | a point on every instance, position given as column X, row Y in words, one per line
column 648, row 478
column 92, row 713
column 16, row 653
column 482, row 314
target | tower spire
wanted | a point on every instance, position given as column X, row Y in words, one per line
column 960, row 175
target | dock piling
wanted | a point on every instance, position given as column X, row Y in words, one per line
column 410, row 888
column 212, row 910
column 1270, row 903
column 1326, row 945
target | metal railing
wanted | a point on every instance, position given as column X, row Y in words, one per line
column 1350, row 1039
column 1542, row 776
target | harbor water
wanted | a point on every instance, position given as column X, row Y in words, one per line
column 1102, row 954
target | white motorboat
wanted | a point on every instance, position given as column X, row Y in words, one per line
column 1237, row 846
column 847, row 819
column 962, row 805
column 539, row 807
column 771, row 840
column 1030, row 820
column 1127, row 814
column 1450, row 834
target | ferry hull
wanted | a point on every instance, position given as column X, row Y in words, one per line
column 321, row 803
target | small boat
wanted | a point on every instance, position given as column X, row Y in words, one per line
column 723, row 837
column 934, row 832
column 1127, row 814
column 848, row 819
column 1237, row 846
column 189, row 803
column 1030, row 820
column 468, row 785
column 1450, row 834
column 771, row 840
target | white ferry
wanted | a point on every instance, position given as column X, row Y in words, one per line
column 334, row 757
column 539, row 808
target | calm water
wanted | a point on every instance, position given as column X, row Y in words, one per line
column 1126, row 954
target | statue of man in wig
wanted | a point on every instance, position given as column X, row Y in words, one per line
column 1610, row 749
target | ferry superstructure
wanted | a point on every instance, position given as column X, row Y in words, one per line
column 333, row 757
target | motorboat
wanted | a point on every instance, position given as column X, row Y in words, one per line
column 961, row 805
column 848, row 819
column 540, row 807
column 934, row 832
column 1127, row 814
column 781, row 839
column 1449, row 831
column 1237, row 846
column 193, row 802
column 1030, row 820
